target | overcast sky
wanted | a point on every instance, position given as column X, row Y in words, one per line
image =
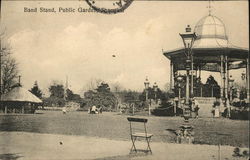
column 49, row 46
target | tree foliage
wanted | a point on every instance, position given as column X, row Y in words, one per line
column 56, row 95
column 209, row 89
column 153, row 94
column 71, row 96
column 56, row 90
column 101, row 97
column 36, row 91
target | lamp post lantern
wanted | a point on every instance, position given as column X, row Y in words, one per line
column 188, row 40
column 146, row 83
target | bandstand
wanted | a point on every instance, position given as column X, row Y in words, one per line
column 211, row 51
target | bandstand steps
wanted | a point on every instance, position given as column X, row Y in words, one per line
column 206, row 105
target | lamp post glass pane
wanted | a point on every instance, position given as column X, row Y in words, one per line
column 188, row 40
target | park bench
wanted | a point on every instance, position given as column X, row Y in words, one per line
column 138, row 129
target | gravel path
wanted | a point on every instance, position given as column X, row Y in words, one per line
column 36, row 146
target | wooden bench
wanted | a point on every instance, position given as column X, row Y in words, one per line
column 140, row 131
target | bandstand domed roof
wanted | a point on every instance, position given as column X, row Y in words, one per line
column 211, row 33
column 211, row 42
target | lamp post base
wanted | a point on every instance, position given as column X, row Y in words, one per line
column 185, row 134
column 185, row 140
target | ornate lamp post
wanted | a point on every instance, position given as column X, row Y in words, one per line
column 155, row 87
column 146, row 83
column 185, row 134
column 188, row 40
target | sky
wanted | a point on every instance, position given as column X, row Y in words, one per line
column 50, row 46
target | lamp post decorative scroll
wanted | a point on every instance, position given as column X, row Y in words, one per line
column 146, row 83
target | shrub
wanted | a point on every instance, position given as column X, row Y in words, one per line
column 166, row 110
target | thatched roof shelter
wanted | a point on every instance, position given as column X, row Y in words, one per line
column 19, row 94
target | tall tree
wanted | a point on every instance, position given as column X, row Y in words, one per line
column 103, row 87
column 56, row 90
column 101, row 96
column 9, row 70
column 36, row 91
column 71, row 96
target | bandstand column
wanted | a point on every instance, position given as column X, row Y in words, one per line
column 5, row 109
column 196, row 72
column 199, row 68
column 227, row 76
column 199, row 71
column 222, row 76
column 247, row 80
column 171, row 75
column 226, row 86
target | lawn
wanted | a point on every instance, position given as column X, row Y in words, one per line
column 114, row 126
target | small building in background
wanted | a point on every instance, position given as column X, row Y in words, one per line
column 19, row 100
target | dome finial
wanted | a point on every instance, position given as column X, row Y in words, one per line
column 209, row 7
